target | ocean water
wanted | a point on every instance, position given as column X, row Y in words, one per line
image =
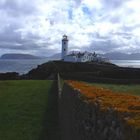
column 127, row 63
column 24, row 66
column 20, row 66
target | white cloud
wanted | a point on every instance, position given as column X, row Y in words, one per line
column 95, row 4
column 40, row 24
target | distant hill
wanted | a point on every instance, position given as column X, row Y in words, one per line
column 122, row 56
column 56, row 56
column 18, row 56
column 111, row 56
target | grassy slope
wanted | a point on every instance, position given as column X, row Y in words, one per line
column 131, row 89
column 22, row 108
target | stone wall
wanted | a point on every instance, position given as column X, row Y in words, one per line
column 81, row 120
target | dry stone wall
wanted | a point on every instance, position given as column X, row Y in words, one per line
column 81, row 120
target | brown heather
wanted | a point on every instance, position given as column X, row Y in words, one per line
column 122, row 103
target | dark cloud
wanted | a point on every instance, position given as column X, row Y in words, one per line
column 11, row 39
column 130, row 28
column 9, row 34
column 17, row 7
column 115, row 19
column 125, row 35
column 111, row 4
column 104, row 46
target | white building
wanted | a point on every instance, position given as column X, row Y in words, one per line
column 78, row 56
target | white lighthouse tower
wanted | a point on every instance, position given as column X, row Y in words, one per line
column 64, row 47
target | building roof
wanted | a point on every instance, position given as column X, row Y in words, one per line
column 81, row 54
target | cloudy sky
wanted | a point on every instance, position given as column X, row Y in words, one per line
column 37, row 26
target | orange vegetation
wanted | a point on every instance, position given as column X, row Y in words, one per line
column 123, row 103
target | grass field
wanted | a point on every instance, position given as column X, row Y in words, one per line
column 130, row 89
column 23, row 109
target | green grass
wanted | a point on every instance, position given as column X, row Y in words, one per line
column 23, row 105
column 131, row 89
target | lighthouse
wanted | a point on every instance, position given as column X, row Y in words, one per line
column 64, row 47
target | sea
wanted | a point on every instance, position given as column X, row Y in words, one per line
column 20, row 66
column 127, row 63
column 24, row 66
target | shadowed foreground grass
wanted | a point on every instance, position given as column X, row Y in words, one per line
column 23, row 108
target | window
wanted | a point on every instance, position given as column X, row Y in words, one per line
column 64, row 49
column 64, row 42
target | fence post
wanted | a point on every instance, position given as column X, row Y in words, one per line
column 59, row 86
